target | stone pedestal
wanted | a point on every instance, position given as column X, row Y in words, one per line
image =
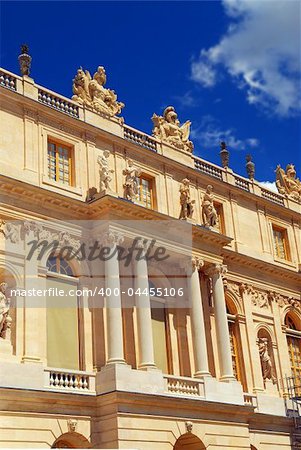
column 121, row 377
column 105, row 192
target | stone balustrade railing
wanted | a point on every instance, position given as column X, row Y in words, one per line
column 71, row 381
column 242, row 183
column 132, row 135
column 184, row 386
column 272, row 196
column 8, row 81
column 250, row 400
column 207, row 168
column 57, row 102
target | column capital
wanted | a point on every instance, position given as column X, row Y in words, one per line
column 196, row 263
column 216, row 269
column 190, row 264
column 111, row 238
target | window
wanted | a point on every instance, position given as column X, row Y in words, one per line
column 60, row 162
column 146, row 191
column 59, row 265
column 280, row 243
column 160, row 335
column 235, row 343
column 293, row 337
column 62, row 316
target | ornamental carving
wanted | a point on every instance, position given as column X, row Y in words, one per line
column 209, row 213
column 285, row 301
column 168, row 129
column 131, row 182
column 111, row 238
column 197, row 263
column 268, row 372
column 91, row 92
column 104, row 172
column 258, row 298
column 185, row 200
column 10, row 231
column 287, row 183
column 217, row 269
column 5, row 319
column 72, row 425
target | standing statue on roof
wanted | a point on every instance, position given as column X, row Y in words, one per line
column 168, row 129
column 287, row 183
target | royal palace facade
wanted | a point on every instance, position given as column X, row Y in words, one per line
column 209, row 357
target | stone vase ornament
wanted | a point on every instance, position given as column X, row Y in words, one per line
column 25, row 61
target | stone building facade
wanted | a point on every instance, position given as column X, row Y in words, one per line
column 204, row 372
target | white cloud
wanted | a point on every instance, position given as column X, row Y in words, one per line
column 186, row 100
column 203, row 71
column 269, row 185
column 260, row 51
column 210, row 134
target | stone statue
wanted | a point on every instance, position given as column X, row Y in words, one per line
column 169, row 129
column 266, row 363
column 131, row 184
column 250, row 167
column 185, row 201
column 5, row 319
column 104, row 172
column 92, row 93
column 209, row 213
column 287, row 183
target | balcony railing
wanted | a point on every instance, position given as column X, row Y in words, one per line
column 250, row 400
column 58, row 103
column 8, row 81
column 272, row 196
column 207, row 168
column 184, row 386
column 242, row 183
column 132, row 135
column 71, row 381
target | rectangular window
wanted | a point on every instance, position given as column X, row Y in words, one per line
column 280, row 243
column 146, row 195
column 60, row 162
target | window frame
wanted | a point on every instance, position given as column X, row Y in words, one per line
column 293, row 335
column 70, row 148
column 151, row 180
column 277, row 228
column 80, row 321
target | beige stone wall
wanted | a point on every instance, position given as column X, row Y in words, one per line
column 260, row 307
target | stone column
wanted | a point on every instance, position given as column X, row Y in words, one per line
column 197, row 321
column 222, row 329
column 143, row 308
column 115, row 354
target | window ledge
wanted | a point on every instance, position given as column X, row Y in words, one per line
column 64, row 187
column 284, row 262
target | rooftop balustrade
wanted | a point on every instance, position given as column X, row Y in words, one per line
column 70, row 108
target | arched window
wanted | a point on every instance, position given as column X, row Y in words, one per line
column 63, row 349
column 293, row 336
column 235, row 342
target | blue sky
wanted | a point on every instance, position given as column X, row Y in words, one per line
column 232, row 67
